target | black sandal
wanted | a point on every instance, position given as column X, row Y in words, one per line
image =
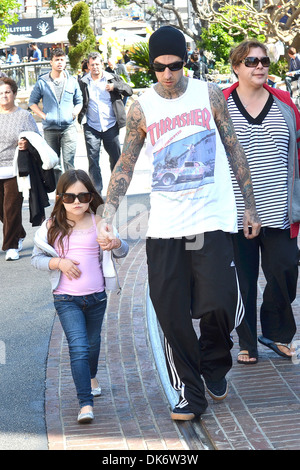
column 274, row 346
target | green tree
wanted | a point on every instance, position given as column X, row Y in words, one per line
column 140, row 55
column 216, row 40
column 8, row 15
column 219, row 39
column 81, row 36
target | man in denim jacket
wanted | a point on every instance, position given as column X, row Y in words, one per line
column 62, row 101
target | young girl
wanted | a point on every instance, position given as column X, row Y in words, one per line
column 66, row 245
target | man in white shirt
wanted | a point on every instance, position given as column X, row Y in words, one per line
column 104, row 114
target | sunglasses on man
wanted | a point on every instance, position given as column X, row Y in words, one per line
column 254, row 61
column 174, row 66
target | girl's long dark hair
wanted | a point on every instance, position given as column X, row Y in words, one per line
column 60, row 227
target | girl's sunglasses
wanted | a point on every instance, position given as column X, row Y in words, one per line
column 254, row 61
column 69, row 198
column 174, row 66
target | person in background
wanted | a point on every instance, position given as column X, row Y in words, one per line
column 62, row 101
column 84, row 68
column 13, row 121
column 30, row 53
column 191, row 271
column 189, row 52
column 202, row 57
column 66, row 246
column 13, row 57
column 103, row 114
column 193, row 64
column 126, row 56
column 294, row 69
column 267, row 124
column 37, row 53
column 120, row 69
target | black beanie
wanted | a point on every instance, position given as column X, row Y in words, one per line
column 167, row 40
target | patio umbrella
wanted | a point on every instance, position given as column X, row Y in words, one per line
column 56, row 37
column 128, row 37
column 14, row 40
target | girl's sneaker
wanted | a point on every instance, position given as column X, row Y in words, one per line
column 85, row 418
column 96, row 392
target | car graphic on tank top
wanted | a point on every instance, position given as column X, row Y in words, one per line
column 185, row 164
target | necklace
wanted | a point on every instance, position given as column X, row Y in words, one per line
column 57, row 81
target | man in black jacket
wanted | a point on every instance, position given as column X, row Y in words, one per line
column 104, row 114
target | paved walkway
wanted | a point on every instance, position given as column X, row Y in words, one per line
column 261, row 412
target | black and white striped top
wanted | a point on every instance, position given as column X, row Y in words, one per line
column 265, row 140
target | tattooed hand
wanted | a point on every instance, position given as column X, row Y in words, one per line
column 123, row 171
column 251, row 224
column 236, row 157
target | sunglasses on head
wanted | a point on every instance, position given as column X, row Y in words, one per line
column 69, row 198
column 254, row 61
column 174, row 66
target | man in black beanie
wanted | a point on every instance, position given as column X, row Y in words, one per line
column 190, row 138
column 167, row 40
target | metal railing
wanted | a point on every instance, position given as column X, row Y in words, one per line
column 27, row 73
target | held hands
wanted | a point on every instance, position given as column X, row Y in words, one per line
column 106, row 237
column 251, row 224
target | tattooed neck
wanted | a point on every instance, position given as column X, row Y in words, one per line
column 173, row 93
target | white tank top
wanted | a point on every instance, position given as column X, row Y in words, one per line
column 191, row 186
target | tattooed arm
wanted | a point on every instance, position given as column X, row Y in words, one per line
column 123, row 170
column 236, row 157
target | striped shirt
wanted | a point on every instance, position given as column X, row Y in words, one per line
column 265, row 140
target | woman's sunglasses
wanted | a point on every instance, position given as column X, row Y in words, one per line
column 69, row 198
column 174, row 66
column 254, row 61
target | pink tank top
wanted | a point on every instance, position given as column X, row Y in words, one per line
column 83, row 247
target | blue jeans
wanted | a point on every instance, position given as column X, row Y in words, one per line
column 81, row 318
column 93, row 143
column 63, row 141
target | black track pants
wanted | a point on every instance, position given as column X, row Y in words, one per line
column 187, row 283
column 279, row 261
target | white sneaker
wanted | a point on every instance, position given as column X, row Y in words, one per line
column 20, row 244
column 12, row 255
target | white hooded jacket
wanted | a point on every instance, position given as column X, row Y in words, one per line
column 43, row 252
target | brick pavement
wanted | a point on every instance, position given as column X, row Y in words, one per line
column 261, row 412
